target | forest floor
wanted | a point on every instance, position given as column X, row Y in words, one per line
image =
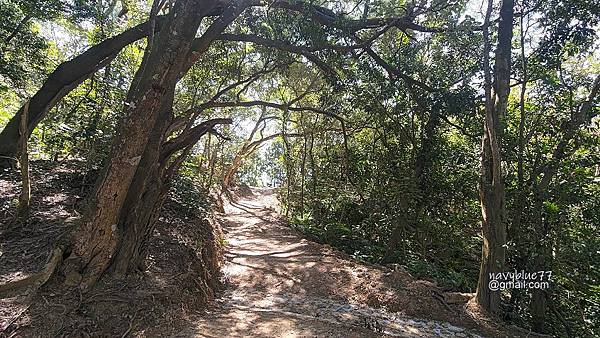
column 282, row 285
column 276, row 282
column 180, row 277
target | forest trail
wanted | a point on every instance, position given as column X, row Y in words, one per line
column 284, row 286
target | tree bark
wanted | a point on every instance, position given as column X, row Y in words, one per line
column 25, row 196
column 491, row 182
column 144, row 199
column 98, row 238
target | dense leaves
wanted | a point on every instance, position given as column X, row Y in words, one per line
column 370, row 130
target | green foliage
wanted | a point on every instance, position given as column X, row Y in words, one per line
column 378, row 157
column 21, row 44
column 186, row 193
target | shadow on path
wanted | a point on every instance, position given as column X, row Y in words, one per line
column 285, row 286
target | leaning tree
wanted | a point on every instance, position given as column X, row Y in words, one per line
column 151, row 143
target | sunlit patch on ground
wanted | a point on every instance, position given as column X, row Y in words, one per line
column 286, row 286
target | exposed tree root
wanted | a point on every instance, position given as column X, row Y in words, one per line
column 33, row 282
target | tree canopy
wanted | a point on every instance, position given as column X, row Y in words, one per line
column 456, row 138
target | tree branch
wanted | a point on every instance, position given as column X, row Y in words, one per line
column 191, row 136
column 271, row 105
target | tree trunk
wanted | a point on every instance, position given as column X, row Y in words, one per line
column 515, row 234
column 542, row 248
column 98, row 238
column 302, row 177
column 25, row 196
column 17, row 29
column 232, row 169
column 144, row 199
column 213, row 162
column 421, row 165
column 287, row 165
column 398, row 231
column 538, row 296
column 491, row 194
column 491, row 183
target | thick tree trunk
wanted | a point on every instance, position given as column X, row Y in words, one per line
column 144, row 199
column 491, row 194
column 67, row 76
column 98, row 238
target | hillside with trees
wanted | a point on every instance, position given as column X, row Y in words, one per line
column 441, row 158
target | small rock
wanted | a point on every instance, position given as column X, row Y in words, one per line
column 454, row 328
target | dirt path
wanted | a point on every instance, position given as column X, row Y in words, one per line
column 285, row 286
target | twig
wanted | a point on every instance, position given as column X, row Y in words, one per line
column 130, row 324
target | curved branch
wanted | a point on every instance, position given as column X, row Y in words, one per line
column 271, row 105
column 284, row 45
column 67, row 76
column 251, row 147
column 326, row 17
column 229, row 14
column 191, row 136
column 307, row 52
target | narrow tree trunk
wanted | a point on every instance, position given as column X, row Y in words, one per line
column 398, row 232
column 515, row 233
column 232, row 169
column 491, row 183
column 313, row 166
column 286, row 163
column 303, row 179
column 542, row 248
column 17, row 29
column 25, row 196
column 213, row 162
column 538, row 296
column 421, row 165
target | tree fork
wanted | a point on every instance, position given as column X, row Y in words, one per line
column 97, row 239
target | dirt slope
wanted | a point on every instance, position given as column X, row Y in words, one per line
column 180, row 277
column 284, row 286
